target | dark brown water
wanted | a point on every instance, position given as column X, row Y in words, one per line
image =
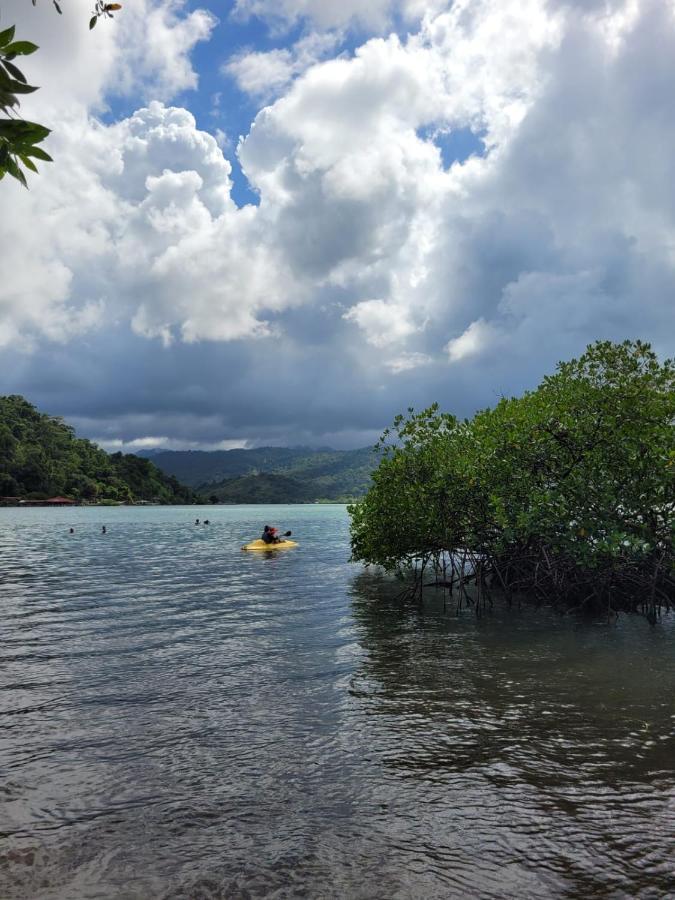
column 181, row 720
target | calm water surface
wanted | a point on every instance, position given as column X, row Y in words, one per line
column 182, row 720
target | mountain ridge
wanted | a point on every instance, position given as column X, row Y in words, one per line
column 271, row 474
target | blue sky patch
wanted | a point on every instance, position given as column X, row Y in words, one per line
column 456, row 145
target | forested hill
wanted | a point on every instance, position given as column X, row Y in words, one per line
column 272, row 474
column 199, row 467
column 40, row 457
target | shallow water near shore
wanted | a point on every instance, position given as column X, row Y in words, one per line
column 179, row 719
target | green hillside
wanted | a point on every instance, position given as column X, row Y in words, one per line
column 334, row 474
column 201, row 467
column 263, row 488
column 41, row 457
column 273, row 474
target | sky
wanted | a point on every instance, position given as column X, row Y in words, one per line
column 286, row 221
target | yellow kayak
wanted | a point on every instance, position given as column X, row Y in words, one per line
column 261, row 545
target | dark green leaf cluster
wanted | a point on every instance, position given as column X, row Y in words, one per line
column 40, row 457
column 567, row 492
column 18, row 138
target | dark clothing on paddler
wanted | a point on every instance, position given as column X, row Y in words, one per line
column 269, row 535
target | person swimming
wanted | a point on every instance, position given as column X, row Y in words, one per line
column 196, row 521
column 104, row 530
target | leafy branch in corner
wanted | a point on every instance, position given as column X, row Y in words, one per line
column 18, row 138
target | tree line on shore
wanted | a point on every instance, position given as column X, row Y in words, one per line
column 41, row 457
column 565, row 494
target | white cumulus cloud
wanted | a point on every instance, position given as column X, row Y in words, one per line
column 400, row 254
column 264, row 74
column 479, row 337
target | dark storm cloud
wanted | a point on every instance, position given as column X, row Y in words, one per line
column 122, row 387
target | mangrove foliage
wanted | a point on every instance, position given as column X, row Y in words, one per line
column 565, row 495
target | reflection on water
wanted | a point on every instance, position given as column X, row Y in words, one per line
column 545, row 746
column 181, row 720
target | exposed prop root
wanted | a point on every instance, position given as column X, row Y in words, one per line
column 619, row 586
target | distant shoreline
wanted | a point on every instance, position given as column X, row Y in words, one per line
column 169, row 505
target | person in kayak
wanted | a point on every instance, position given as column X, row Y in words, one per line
column 270, row 536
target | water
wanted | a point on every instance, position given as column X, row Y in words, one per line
column 179, row 719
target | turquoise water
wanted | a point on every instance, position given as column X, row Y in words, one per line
column 179, row 719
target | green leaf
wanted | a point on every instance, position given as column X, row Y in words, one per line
column 6, row 36
column 19, row 88
column 26, row 132
column 28, row 163
column 38, row 153
column 13, row 71
column 21, row 48
column 92, row 22
column 36, row 132
column 16, row 172
column 7, row 101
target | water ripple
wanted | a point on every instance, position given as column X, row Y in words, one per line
column 180, row 720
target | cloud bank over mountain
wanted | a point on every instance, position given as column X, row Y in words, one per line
column 443, row 211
